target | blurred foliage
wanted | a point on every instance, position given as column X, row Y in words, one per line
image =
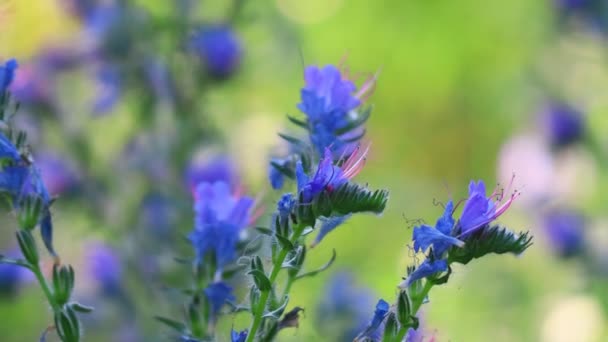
column 457, row 78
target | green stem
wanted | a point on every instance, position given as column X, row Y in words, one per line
column 258, row 311
column 416, row 304
column 45, row 287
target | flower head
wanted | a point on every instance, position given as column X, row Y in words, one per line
column 564, row 230
column 329, row 176
column 328, row 99
column 238, row 336
column 220, row 217
column 219, row 48
column 426, row 269
column 109, row 89
column 104, row 266
column 210, row 170
column 563, row 124
column 218, row 294
column 343, row 310
column 7, row 74
column 480, row 210
column 382, row 308
column 439, row 237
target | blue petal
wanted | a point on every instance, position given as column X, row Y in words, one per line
column 382, row 308
column 236, row 336
column 7, row 149
column 218, row 294
column 427, row 268
column 426, row 236
column 329, row 224
column 46, row 232
column 301, row 176
column 276, row 177
column 446, row 222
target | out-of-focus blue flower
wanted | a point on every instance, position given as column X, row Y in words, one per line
column 104, row 266
column 565, row 231
column 590, row 12
column 220, row 217
column 418, row 334
column 276, row 177
column 327, row 100
column 218, row 294
column 219, row 48
column 109, row 89
column 439, row 237
column 562, row 124
column 12, row 276
column 159, row 79
column 7, row 74
column 480, row 210
column 286, row 204
column 328, row 176
column 31, row 86
column 238, row 336
column 343, row 310
column 210, row 170
column 82, row 9
column 158, row 214
column 426, row 269
column 382, row 308
column 58, row 174
column 327, row 225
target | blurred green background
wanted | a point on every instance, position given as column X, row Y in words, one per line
column 456, row 80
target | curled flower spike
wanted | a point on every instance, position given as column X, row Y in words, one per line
column 480, row 210
column 329, row 176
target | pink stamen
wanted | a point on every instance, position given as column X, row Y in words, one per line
column 354, row 168
column 367, row 88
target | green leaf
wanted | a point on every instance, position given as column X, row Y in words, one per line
column 404, row 308
column 12, row 261
column 320, row 269
column 81, row 307
column 284, row 242
column 276, row 313
column 264, row 230
column 390, row 328
column 27, row 244
column 261, row 281
column 292, row 140
column 297, row 122
column 353, row 198
column 495, row 239
column 175, row 325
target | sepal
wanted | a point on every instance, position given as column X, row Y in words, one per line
column 495, row 239
column 27, row 244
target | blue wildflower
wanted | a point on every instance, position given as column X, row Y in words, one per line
column 327, row 100
column 439, row 237
column 219, row 48
column 563, row 124
column 342, row 312
column 105, row 267
column 426, row 269
column 31, row 86
column 327, row 225
column 7, row 74
column 286, row 204
column 218, row 294
column 480, row 210
column 7, row 149
column 328, row 176
column 220, row 217
column 565, row 231
column 382, row 308
column 236, row 336
column 58, row 174
column 276, row 177
column 210, row 170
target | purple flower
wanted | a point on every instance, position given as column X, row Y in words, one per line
column 220, row 217
column 439, row 237
column 104, row 266
column 328, row 176
column 480, row 210
column 218, row 294
column 426, row 269
column 7, row 74
column 343, row 310
column 210, row 170
column 219, row 48
column 59, row 175
column 562, row 124
column 327, row 100
column 565, row 231
column 236, row 336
